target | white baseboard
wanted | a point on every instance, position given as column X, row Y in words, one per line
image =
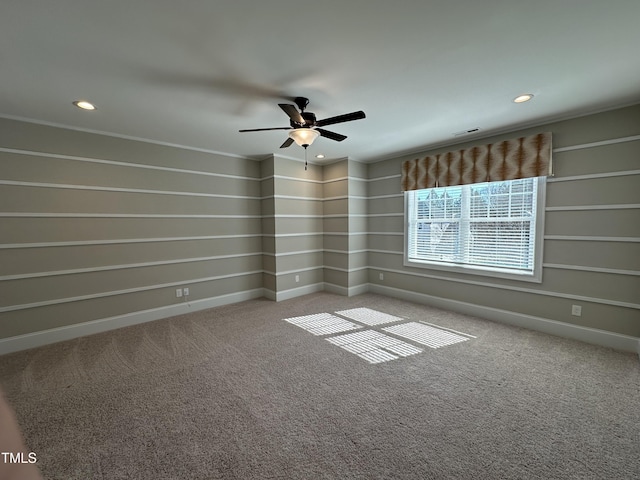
column 54, row 335
column 316, row 287
column 346, row 291
column 594, row 336
column 293, row 292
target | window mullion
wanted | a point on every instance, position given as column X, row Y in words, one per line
column 465, row 224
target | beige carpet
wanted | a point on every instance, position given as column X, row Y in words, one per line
column 237, row 392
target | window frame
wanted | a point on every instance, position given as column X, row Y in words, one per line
column 535, row 276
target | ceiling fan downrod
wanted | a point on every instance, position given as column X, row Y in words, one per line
column 301, row 102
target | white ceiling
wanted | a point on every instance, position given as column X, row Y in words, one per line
column 194, row 72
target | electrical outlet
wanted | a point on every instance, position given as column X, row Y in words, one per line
column 576, row 310
column 382, row 276
column 297, row 278
column 185, row 291
column 178, row 292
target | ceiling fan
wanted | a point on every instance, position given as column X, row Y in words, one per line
column 304, row 128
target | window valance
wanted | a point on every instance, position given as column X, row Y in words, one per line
column 508, row 160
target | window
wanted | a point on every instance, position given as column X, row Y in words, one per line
column 492, row 228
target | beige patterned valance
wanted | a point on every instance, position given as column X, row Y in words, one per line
column 517, row 158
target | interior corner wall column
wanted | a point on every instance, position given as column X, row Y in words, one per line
column 268, row 227
column 358, row 228
column 345, row 227
column 292, row 228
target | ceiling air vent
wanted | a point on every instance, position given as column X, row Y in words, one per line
column 466, row 132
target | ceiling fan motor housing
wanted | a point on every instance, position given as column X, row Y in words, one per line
column 309, row 118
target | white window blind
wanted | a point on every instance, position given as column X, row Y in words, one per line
column 486, row 226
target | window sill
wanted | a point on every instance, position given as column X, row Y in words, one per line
column 535, row 277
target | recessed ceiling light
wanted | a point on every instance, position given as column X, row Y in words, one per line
column 523, row 98
column 320, row 155
column 83, row 104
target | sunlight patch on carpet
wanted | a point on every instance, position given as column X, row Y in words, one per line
column 374, row 347
column 369, row 316
column 425, row 335
column 322, row 323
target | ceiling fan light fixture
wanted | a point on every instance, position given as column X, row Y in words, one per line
column 304, row 136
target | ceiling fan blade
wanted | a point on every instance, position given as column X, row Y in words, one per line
column 292, row 112
column 287, row 143
column 332, row 135
column 347, row 117
column 265, row 129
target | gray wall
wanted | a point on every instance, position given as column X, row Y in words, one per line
column 592, row 233
column 293, row 216
column 95, row 227
column 345, row 228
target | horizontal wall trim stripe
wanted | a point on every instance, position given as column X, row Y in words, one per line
column 390, row 252
column 245, row 235
column 314, row 199
column 116, row 215
column 346, row 252
column 582, row 268
column 292, row 197
column 290, row 272
column 68, row 332
column 593, row 176
column 58, row 301
column 287, row 235
column 549, row 180
column 576, row 208
column 339, row 197
column 545, row 265
column 553, row 327
column 296, row 179
column 311, row 180
column 293, row 252
column 344, row 234
column 346, row 270
column 129, row 164
column 220, row 257
column 586, row 238
column 547, row 293
column 388, row 177
column 285, row 215
column 98, row 188
column 79, row 243
column 76, row 271
column 612, row 141
column 392, row 195
column 317, row 267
